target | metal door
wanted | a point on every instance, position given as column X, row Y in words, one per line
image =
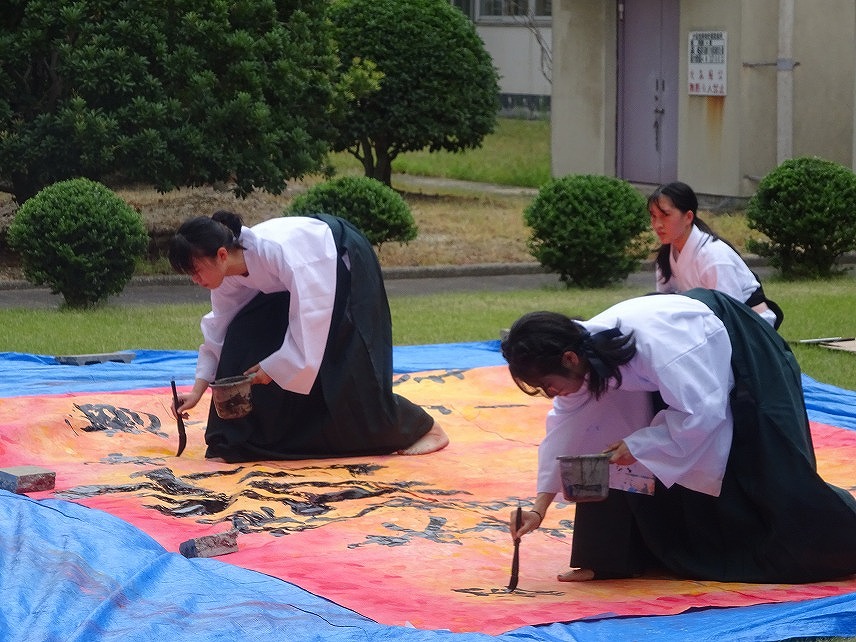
column 647, row 110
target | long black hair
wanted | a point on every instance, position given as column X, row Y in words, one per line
column 683, row 198
column 537, row 341
column 202, row 237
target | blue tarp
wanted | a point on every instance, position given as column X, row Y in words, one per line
column 28, row 374
column 71, row 573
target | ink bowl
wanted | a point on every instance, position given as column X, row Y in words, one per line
column 232, row 397
column 585, row 478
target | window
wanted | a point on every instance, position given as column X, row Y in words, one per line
column 514, row 9
column 466, row 6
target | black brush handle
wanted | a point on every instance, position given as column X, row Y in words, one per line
column 515, row 561
column 182, row 434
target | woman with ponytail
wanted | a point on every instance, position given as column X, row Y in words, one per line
column 300, row 304
column 700, row 394
column 693, row 256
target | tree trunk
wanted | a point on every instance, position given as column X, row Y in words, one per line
column 383, row 165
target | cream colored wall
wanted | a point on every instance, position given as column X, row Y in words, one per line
column 742, row 146
column 823, row 79
column 517, row 55
column 724, row 144
column 583, row 100
column 709, row 126
column 757, row 83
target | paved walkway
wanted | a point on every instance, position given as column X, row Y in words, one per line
column 399, row 282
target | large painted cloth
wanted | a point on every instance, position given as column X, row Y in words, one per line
column 391, row 541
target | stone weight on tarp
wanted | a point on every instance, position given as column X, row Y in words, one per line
column 210, row 545
column 26, row 479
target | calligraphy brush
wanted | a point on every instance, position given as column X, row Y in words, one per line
column 182, row 434
column 515, row 561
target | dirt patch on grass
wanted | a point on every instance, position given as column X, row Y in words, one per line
column 454, row 229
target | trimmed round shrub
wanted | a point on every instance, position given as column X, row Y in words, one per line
column 588, row 229
column 806, row 207
column 377, row 210
column 80, row 239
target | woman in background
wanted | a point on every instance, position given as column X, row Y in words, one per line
column 300, row 304
column 693, row 256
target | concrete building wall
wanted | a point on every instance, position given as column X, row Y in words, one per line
column 825, row 53
column 517, row 55
column 757, row 79
column 582, row 119
column 709, row 129
column 725, row 143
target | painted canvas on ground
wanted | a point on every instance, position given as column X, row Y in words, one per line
column 410, row 541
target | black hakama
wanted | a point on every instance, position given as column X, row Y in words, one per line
column 351, row 409
column 775, row 521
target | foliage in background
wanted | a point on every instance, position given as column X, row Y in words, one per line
column 807, row 209
column 437, row 86
column 80, row 239
column 517, row 154
column 186, row 92
column 587, row 229
column 376, row 209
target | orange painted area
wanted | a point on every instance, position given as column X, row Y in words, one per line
column 420, row 540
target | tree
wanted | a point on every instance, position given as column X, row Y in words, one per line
column 592, row 230
column 377, row 210
column 806, row 207
column 437, row 89
column 178, row 93
column 79, row 238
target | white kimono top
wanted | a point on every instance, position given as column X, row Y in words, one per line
column 294, row 254
column 712, row 264
column 580, row 425
column 683, row 351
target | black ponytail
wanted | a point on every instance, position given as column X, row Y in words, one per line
column 202, row 237
column 230, row 220
column 537, row 342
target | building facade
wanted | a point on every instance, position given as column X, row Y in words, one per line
column 518, row 36
column 715, row 94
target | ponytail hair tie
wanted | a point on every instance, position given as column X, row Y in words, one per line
column 592, row 344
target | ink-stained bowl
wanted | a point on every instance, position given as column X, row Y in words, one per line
column 231, row 396
column 585, row 478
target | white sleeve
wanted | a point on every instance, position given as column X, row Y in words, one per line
column 688, row 443
column 313, row 291
column 558, row 440
column 288, row 254
column 226, row 300
column 682, row 351
column 724, row 277
column 298, row 256
column 579, row 424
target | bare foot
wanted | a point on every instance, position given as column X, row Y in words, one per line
column 576, row 575
column 432, row 441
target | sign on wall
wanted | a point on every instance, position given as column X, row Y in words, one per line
column 706, row 70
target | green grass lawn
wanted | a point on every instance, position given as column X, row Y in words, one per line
column 812, row 309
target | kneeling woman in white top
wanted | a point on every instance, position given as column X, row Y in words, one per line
column 737, row 496
column 693, row 256
column 299, row 302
